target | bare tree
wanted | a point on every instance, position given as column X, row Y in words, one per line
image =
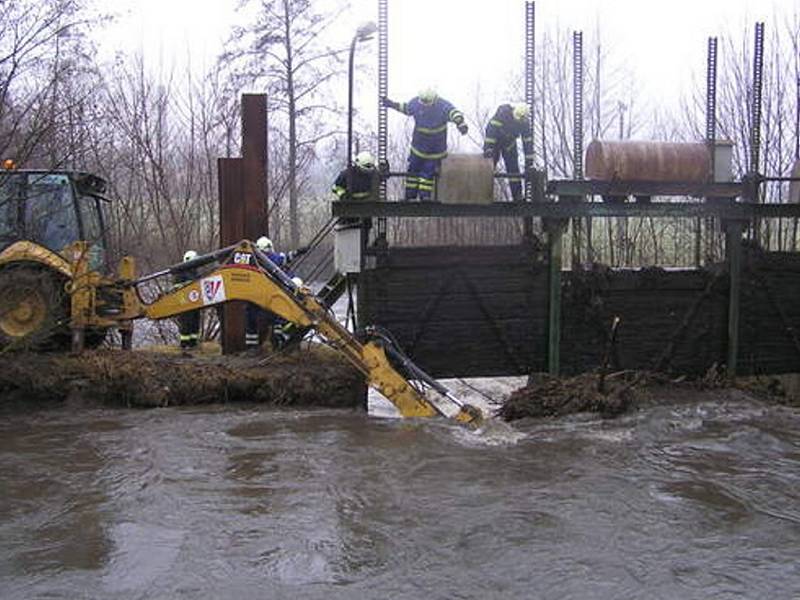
column 156, row 140
column 44, row 55
column 285, row 51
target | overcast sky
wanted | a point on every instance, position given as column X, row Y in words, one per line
column 456, row 44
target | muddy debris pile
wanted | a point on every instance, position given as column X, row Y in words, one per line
column 548, row 396
column 617, row 393
column 307, row 377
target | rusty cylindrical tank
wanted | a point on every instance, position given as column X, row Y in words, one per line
column 648, row 161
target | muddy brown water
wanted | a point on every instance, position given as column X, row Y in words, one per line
column 697, row 500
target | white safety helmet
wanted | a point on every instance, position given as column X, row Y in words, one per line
column 189, row 255
column 297, row 281
column 521, row 111
column 365, row 161
column 428, row 95
column 264, row 244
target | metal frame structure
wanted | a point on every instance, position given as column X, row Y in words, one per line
column 735, row 204
column 530, row 76
column 758, row 84
column 383, row 92
column 727, row 208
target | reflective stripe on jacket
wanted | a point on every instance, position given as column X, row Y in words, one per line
column 364, row 183
column 503, row 130
column 429, row 140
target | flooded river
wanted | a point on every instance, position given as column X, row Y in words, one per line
column 696, row 500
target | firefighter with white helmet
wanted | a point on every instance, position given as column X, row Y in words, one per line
column 188, row 322
column 281, row 259
column 510, row 121
column 256, row 319
column 431, row 114
column 265, row 244
column 358, row 182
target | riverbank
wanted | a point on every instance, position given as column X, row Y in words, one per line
column 313, row 376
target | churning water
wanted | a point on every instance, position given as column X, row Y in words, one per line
column 694, row 500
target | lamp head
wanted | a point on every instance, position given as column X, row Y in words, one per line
column 365, row 31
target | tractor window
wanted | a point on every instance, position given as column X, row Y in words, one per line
column 93, row 230
column 50, row 217
column 9, row 188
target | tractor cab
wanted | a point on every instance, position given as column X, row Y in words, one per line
column 54, row 209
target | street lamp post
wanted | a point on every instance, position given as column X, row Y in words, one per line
column 363, row 34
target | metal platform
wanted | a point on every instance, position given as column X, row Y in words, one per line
column 724, row 209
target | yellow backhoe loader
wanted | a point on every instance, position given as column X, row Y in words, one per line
column 52, row 293
column 243, row 272
column 42, row 215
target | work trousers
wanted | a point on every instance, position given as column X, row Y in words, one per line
column 256, row 321
column 511, row 162
column 421, row 177
column 189, row 329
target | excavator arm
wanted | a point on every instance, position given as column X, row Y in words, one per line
column 244, row 273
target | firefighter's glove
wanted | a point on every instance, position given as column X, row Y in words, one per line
column 290, row 256
column 388, row 103
column 462, row 128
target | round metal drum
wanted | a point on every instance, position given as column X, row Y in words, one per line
column 648, row 161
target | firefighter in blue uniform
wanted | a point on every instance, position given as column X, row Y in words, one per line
column 255, row 317
column 510, row 122
column 363, row 180
column 358, row 182
column 188, row 322
column 429, row 141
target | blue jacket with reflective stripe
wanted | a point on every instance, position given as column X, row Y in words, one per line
column 503, row 130
column 430, row 125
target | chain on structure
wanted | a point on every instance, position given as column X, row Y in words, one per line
column 711, row 140
column 530, row 75
column 758, row 78
column 383, row 92
column 711, row 91
column 577, row 103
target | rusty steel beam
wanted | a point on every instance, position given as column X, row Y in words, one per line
column 231, row 221
column 254, row 154
column 243, row 203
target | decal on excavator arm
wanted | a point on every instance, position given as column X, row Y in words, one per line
column 242, row 258
column 213, row 289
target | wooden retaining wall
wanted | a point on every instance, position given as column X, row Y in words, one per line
column 484, row 312
column 770, row 328
column 669, row 320
column 480, row 311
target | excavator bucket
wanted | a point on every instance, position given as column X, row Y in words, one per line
column 469, row 415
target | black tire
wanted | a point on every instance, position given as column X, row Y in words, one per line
column 34, row 308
